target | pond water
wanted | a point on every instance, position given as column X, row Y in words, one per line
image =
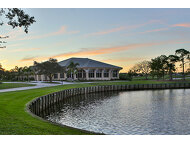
column 127, row 112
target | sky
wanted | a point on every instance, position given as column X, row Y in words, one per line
column 121, row 37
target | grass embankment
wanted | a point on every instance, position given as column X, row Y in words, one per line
column 15, row 120
column 13, row 85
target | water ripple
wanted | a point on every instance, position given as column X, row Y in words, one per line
column 133, row 112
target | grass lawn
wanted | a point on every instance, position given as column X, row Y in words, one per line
column 13, row 85
column 53, row 82
column 15, row 120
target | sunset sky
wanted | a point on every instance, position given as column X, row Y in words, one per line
column 120, row 37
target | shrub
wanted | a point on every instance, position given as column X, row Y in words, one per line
column 125, row 76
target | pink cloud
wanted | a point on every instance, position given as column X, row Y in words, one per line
column 101, row 51
column 187, row 25
column 24, row 49
column 62, row 30
column 121, row 28
column 123, row 59
column 155, row 30
column 107, row 31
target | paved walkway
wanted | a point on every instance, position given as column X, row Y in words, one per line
column 41, row 84
column 38, row 85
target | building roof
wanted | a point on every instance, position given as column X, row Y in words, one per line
column 87, row 63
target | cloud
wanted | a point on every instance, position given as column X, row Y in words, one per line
column 129, row 27
column 107, row 31
column 24, row 49
column 62, row 30
column 29, row 59
column 155, row 30
column 91, row 52
column 187, row 25
column 59, row 32
column 124, row 59
column 101, row 51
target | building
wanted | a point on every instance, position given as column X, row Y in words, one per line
column 88, row 69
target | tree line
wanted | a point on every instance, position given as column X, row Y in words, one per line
column 163, row 65
column 47, row 68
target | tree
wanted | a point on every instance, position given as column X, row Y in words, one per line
column 171, row 60
column 72, row 69
column 48, row 68
column 142, row 67
column 19, row 72
column 183, row 55
column 15, row 18
column 158, row 66
column 1, row 71
column 27, row 72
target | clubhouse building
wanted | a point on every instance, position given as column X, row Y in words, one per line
column 88, row 69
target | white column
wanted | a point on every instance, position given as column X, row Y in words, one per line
column 74, row 76
column 36, row 78
column 103, row 73
column 110, row 74
column 87, row 76
column 95, row 73
column 42, row 77
column 65, row 75
column 118, row 74
column 58, row 76
column 82, row 74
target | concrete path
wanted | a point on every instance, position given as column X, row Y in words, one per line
column 41, row 84
column 37, row 85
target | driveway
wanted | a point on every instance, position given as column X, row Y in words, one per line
column 38, row 84
column 41, row 84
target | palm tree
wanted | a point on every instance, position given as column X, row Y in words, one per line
column 72, row 69
column 19, row 72
column 27, row 72
column 183, row 55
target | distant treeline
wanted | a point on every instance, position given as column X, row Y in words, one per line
column 161, row 66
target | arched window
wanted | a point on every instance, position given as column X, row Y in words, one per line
column 79, row 74
column 91, row 74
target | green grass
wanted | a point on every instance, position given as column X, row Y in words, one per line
column 53, row 82
column 14, row 85
column 15, row 120
column 155, row 78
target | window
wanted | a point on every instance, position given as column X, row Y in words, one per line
column 69, row 75
column 61, row 75
column 99, row 73
column 91, row 73
column 84, row 74
column 115, row 73
column 79, row 74
column 106, row 73
column 55, row 76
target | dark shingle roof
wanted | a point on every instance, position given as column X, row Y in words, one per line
column 87, row 63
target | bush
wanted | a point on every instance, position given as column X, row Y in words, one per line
column 125, row 76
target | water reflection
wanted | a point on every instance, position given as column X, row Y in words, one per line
column 131, row 112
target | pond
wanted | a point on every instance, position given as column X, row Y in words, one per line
column 127, row 112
